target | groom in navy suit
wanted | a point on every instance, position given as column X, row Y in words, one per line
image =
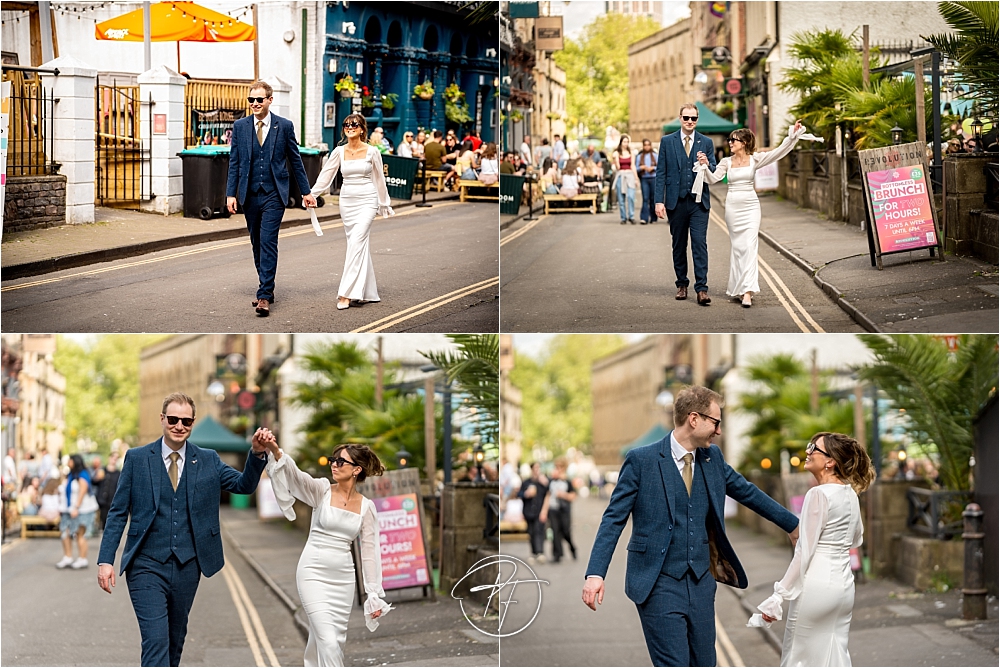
column 674, row 201
column 262, row 151
column 169, row 495
column 675, row 491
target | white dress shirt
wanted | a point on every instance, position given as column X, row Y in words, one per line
column 265, row 128
column 165, row 454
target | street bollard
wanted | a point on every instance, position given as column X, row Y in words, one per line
column 974, row 580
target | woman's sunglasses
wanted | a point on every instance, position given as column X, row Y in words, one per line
column 812, row 447
column 340, row 461
column 352, row 124
column 732, row 139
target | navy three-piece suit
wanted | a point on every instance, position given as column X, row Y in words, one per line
column 173, row 538
column 678, row 549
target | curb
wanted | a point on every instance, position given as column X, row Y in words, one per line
column 49, row 265
column 505, row 224
column 830, row 289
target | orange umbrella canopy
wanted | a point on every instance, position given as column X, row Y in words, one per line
column 176, row 22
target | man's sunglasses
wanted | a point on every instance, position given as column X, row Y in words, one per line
column 340, row 461
column 352, row 124
column 689, row 118
column 173, row 419
column 812, row 447
column 258, row 100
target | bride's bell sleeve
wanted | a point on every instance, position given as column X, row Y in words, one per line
column 329, row 171
column 783, row 149
column 814, row 513
column 371, row 565
column 703, row 173
column 378, row 176
column 289, row 483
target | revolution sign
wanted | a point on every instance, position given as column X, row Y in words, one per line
column 898, row 201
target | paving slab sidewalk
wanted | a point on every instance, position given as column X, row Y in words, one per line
column 416, row 632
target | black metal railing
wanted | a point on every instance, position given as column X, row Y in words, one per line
column 853, row 167
column 122, row 175
column 793, row 161
column 491, row 532
column 31, row 139
column 820, row 163
column 936, row 513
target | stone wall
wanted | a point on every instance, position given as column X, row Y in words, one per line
column 968, row 228
column 462, row 544
column 34, row 202
column 926, row 562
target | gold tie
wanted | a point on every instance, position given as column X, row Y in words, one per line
column 174, row 456
column 686, row 473
column 687, row 145
column 260, row 132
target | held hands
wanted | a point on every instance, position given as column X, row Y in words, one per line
column 106, row 577
column 309, row 201
column 702, row 158
column 593, row 592
column 768, row 618
column 260, row 439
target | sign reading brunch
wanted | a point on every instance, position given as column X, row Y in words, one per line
column 404, row 563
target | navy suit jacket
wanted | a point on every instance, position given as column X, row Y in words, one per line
column 646, row 493
column 138, row 497
column 284, row 155
column 672, row 161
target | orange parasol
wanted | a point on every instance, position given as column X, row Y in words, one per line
column 176, row 22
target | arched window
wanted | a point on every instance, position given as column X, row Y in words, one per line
column 472, row 48
column 456, row 45
column 395, row 38
column 431, row 39
column 373, row 31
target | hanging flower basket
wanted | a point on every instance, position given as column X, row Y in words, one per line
column 424, row 91
column 346, row 86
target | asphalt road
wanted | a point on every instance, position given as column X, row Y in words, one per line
column 578, row 272
column 567, row 633
column 62, row 618
column 436, row 268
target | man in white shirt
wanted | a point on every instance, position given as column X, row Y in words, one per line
column 526, row 156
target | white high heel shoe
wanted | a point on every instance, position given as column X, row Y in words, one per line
column 341, row 307
column 746, row 303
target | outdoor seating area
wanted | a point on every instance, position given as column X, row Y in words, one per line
column 434, row 180
column 577, row 204
column 469, row 190
column 35, row 526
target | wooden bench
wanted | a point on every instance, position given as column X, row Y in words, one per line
column 33, row 526
column 435, row 179
column 467, row 189
column 582, row 202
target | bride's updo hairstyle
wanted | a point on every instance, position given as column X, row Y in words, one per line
column 364, row 457
column 361, row 121
column 851, row 462
column 745, row 136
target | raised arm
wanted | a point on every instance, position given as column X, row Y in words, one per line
column 378, row 176
column 289, row 483
column 371, row 566
column 328, row 172
column 783, row 149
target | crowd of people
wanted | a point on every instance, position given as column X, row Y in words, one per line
column 469, row 159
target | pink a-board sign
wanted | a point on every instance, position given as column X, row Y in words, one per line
column 404, row 562
column 901, row 208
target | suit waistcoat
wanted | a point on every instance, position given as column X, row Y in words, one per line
column 261, row 179
column 170, row 532
column 687, row 176
column 689, row 542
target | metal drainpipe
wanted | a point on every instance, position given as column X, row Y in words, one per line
column 302, row 88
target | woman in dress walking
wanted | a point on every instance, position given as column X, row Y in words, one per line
column 325, row 575
column 742, row 205
column 819, row 581
column 363, row 195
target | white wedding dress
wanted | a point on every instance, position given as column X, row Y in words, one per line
column 363, row 195
column 819, row 581
column 325, row 575
column 743, row 214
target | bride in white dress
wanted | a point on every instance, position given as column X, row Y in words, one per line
column 363, row 195
column 742, row 205
column 325, row 575
column 819, row 581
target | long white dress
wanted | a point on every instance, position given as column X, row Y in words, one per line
column 325, row 574
column 363, row 195
column 743, row 214
column 819, row 581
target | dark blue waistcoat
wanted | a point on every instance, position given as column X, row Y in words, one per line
column 170, row 532
column 687, row 176
column 689, row 544
column 261, row 179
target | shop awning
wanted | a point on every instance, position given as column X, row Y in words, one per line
column 208, row 433
column 709, row 122
column 176, row 22
column 656, row 433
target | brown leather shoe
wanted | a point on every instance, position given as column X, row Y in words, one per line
column 682, row 292
column 263, row 308
column 704, row 299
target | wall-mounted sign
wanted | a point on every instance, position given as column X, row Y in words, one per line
column 734, row 86
column 549, row 33
column 159, row 124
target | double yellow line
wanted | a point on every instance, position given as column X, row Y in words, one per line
column 252, row 626
column 514, row 235
column 725, row 651
column 429, row 305
column 785, row 296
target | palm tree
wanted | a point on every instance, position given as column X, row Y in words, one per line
column 974, row 45
column 475, row 370
column 940, row 391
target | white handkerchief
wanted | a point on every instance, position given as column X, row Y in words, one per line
column 315, row 222
column 757, row 621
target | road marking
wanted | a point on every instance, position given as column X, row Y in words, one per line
column 187, row 253
column 779, row 288
column 429, row 305
column 249, row 618
column 514, row 235
column 722, row 638
column 7, row 547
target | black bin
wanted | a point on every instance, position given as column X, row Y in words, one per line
column 206, row 170
column 312, row 161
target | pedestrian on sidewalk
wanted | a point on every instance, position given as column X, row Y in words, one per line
column 627, row 179
column 534, row 494
column 742, row 205
column 363, row 195
column 325, row 575
column 819, row 581
column 647, row 181
column 674, row 491
column 165, row 557
column 78, row 509
column 686, row 211
column 562, row 494
column 258, row 180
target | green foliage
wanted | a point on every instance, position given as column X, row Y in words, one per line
column 783, row 418
column 974, row 45
column 940, row 391
column 475, row 371
column 597, row 69
column 555, row 391
column 102, row 387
